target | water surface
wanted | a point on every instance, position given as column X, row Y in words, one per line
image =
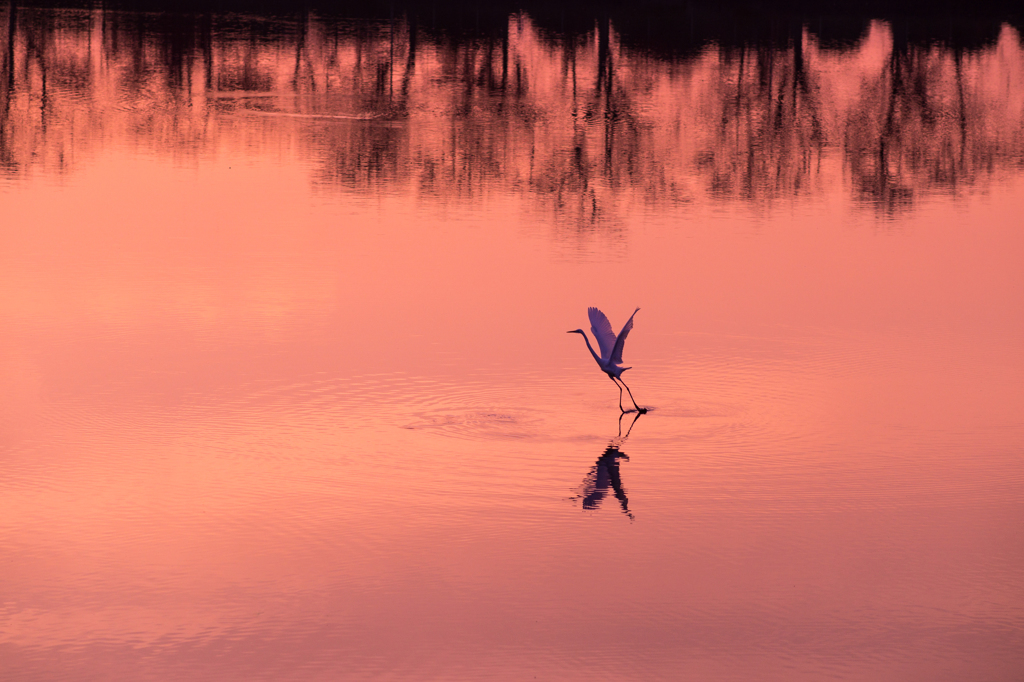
column 286, row 391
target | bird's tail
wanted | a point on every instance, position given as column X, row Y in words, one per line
column 624, row 369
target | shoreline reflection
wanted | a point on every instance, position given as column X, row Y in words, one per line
column 584, row 126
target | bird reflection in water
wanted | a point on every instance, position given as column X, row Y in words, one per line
column 605, row 474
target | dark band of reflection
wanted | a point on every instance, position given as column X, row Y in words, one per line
column 574, row 121
column 605, row 473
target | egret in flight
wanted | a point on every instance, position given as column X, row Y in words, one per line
column 610, row 359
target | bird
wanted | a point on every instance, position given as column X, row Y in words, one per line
column 610, row 359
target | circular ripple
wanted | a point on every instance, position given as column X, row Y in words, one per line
column 478, row 424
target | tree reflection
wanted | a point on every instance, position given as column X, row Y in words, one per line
column 578, row 124
column 605, row 474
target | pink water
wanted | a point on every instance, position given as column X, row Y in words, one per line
column 286, row 393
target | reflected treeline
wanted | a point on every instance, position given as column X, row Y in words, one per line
column 580, row 121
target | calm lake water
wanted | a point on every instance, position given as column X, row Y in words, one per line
column 286, row 393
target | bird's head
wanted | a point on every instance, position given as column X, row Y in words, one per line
column 576, row 331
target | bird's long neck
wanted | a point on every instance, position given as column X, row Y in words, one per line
column 597, row 357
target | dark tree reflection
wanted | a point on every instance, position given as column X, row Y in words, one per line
column 578, row 124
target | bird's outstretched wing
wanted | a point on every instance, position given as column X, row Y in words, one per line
column 616, row 358
column 602, row 330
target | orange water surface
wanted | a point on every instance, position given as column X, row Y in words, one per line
column 286, row 393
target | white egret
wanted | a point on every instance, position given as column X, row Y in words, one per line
column 610, row 359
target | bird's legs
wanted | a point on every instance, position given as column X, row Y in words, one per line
column 620, row 392
column 640, row 410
